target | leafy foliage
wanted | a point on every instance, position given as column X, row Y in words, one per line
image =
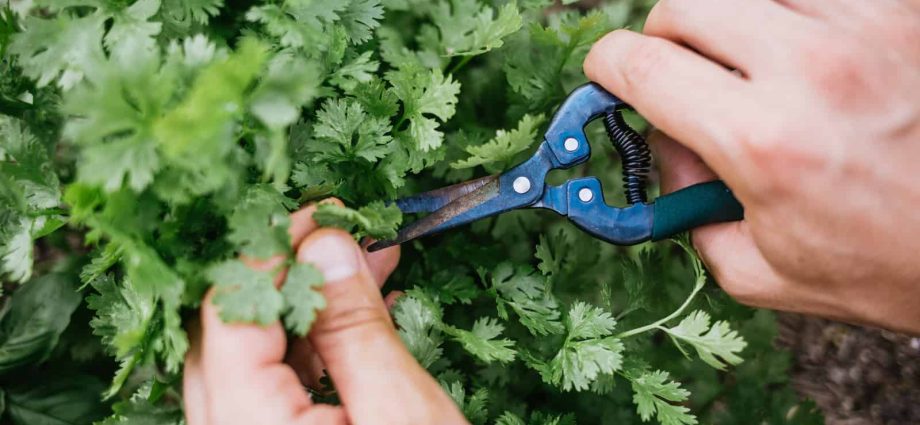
column 145, row 145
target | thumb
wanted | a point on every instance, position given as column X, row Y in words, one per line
column 377, row 380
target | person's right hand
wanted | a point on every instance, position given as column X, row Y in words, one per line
column 817, row 134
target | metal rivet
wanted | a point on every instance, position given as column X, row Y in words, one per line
column 521, row 184
column 585, row 194
column 571, row 144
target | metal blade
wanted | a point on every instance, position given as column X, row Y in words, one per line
column 451, row 214
column 521, row 186
column 434, row 200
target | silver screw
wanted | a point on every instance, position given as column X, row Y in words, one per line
column 571, row 144
column 521, row 185
column 585, row 194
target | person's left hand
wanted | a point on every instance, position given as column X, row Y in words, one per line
column 239, row 373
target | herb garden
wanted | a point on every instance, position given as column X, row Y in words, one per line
column 146, row 144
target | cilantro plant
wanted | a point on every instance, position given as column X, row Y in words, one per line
column 146, row 144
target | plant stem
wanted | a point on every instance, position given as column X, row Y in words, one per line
column 459, row 64
column 700, row 282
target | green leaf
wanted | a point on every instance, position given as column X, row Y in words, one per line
column 581, row 363
column 498, row 152
column 469, row 28
column 473, row 407
column 653, row 395
column 302, row 297
column 377, row 220
column 418, row 328
column 424, row 95
column 259, row 223
column 39, row 312
column 716, row 345
column 30, row 193
column 361, row 18
column 344, row 133
column 586, row 321
column 183, row 11
column 61, row 50
column 245, row 295
column 55, row 400
column 123, row 316
column 527, row 293
column 481, row 342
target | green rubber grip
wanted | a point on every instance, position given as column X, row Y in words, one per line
column 692, row 207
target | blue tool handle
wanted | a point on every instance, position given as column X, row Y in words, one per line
column 692, row 207
column 621, row 226
column 583, row 105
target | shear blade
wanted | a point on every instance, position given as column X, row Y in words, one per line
column 434, row 200
column 450, row 207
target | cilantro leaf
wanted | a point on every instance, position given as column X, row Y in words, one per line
column 527, row 293
column 123, row 315
column 60, row 50
column 345, row 133
column 481, row 342
column 424, row 94
column 473, row 407
column 580, row 363
column 30, row 192
column 361, row 18
column 302, row 297
column 586, row 321
column 259, row 223
column 497, row 153
column 245, row 295
column 200, row 11
column 469, row 28
column 716, row 345
column 418, row 329
column 375, row 219
column 653, row 395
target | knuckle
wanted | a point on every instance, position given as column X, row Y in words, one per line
column 358, row 319
column 836, row 69
column 642, row 61
column 604, row 48
column 777, row 158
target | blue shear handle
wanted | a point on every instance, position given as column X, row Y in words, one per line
column 581, row 106
column 694, row 206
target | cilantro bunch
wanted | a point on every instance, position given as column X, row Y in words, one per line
column 146, row 144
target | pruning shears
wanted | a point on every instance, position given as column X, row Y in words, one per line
column 581, row 200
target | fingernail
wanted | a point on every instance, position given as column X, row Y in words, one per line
column 335, row 256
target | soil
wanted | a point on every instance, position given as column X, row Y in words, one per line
column 856, row 375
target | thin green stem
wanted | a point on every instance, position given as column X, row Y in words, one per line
column 459, row 64
column 657, row 324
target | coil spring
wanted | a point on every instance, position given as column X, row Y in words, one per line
column 634, row 154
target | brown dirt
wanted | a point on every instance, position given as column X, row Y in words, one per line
column 856, row 375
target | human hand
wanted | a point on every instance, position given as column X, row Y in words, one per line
column 248, row 374
column 817, row 134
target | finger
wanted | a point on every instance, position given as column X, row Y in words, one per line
column 391, row 299
column 735, row 261
column 701, row 96
column 193, row 389
column 302, row 222
column 301, row 356
column 243, row 373
column 377, row 379
column 301, row 225
column 678, row 166
column 381, row 263
column 726, row 31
